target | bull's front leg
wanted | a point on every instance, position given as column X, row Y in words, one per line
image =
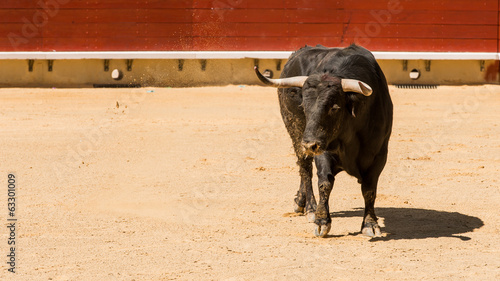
column 305, row 197
column 326, row 178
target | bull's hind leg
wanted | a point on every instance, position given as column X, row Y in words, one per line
column 305, row 196
column 294, row 119
column 370, row 226
column 304, row 201
column 369, row 184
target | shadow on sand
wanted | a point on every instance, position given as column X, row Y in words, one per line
column 411, row 223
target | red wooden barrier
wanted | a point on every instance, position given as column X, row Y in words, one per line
column 124, row 25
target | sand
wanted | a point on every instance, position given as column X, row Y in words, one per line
column 198, row 184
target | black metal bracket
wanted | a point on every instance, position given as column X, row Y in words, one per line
column 30, row 65
column 203, row 65
column 180, row 65
column 106, row 65
column 278, row 65
column 481, row 65
column 405, row 65
column 51, row 65
column 129, row 65
column 427, row 65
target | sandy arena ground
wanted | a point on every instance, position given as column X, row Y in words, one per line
column 198, row 184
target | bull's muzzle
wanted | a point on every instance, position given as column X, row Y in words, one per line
column 311, row 148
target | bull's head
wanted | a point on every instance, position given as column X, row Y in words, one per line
column 327, row 101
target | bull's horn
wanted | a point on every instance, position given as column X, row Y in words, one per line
column 353, row 85
column 297, row 81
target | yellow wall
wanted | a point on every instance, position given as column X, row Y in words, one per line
column 165, row 73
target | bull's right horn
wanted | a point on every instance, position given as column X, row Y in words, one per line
column 352, row 85
column 296, row 81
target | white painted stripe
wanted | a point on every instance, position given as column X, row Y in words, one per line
column 233, row 55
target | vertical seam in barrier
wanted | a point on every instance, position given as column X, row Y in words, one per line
column 498, row 26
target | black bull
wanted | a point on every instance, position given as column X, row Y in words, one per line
column 336, row 106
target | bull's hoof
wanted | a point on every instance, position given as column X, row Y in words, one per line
column 297, row 208
column 311, row 217
column 322, row 230
column 371, row 230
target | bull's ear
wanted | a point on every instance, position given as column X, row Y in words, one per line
column 353, row 103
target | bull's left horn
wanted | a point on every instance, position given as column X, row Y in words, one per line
column 296, row 81
column 353, row 85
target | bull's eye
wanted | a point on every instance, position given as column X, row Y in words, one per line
column 334, row 108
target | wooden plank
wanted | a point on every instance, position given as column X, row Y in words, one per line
column 428, row 45
column 162, row 4
column 167, row 44
column 428, row 5
column 122, row 15
column 317, row 16
column 244, row 29
column 111, row 44
column 269, row 4
column 127, row 4
column 307, row 4
column 65, row 44
column 421, row 17
column 16, row 15
column 338, row 16
column 88, row 4
column 92, row 30
column 423, row 5
column 316, row 29
column 241, row 43
column 239, row 4
column 91, row 44
column 255, row 15
column 116, row 15
column 352, row 30
column 180, row 30
column 240, row 15
column 375, row 44
column 20, row 30
column 31, row 44
column 18, row 4
column 165, row 15
column 241, row 29
column 422, row 31
column 247, row 43
column 95, row 16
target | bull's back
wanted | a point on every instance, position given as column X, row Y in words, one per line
column 308, row 60
column 304, row 61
